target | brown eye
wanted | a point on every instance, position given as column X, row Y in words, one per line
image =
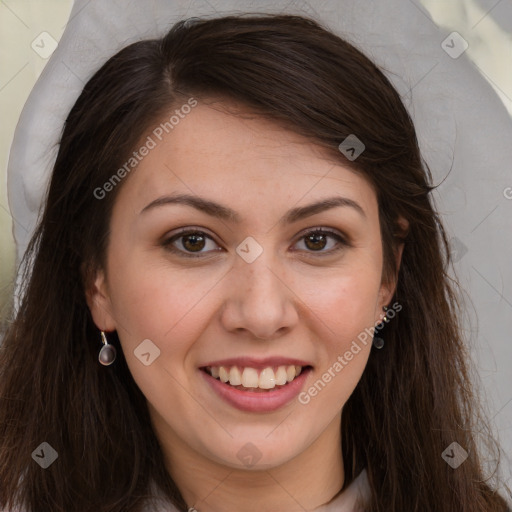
column 194, row 242
column 190, row 243
column 318, row 240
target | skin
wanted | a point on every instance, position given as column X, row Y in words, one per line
column 291, row 301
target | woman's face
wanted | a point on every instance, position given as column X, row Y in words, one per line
column 254, row 290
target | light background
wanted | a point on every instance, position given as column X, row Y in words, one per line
column 21, row 21
column 487, row 31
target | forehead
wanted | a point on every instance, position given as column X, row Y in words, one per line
column 229, row 133
column 222, row 151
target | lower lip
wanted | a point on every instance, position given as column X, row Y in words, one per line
column 254, row 401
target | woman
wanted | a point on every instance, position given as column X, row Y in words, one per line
column 238, row 296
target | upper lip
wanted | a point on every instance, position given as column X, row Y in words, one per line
column 253, row 362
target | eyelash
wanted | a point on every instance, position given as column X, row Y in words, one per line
column 167, row 244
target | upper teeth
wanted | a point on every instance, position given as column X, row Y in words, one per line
column 250, row 378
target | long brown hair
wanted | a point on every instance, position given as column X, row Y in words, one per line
column 414, row 398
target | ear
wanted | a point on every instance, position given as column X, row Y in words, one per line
column 387, row 289
column 98, row 300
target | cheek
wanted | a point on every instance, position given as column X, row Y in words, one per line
column 164, row 306
column 344, row 300
column 342, row 307
column 344, row 316
column 150, row 300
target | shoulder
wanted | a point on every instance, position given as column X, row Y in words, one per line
column 158, row 501
column 352, row 498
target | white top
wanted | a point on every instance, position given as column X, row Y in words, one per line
column 347, row 501
column 343, row 502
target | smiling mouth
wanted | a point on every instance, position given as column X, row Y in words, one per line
column 256, row 380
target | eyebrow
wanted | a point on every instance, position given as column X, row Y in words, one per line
column 225, row 213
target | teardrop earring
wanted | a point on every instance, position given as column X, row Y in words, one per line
column 378, row 342
column 107, row 353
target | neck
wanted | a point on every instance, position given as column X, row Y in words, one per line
column 305, row 482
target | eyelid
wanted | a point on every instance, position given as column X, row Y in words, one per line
column 323, row 229
column 188, row 230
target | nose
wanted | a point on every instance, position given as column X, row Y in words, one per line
column 258, row 300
